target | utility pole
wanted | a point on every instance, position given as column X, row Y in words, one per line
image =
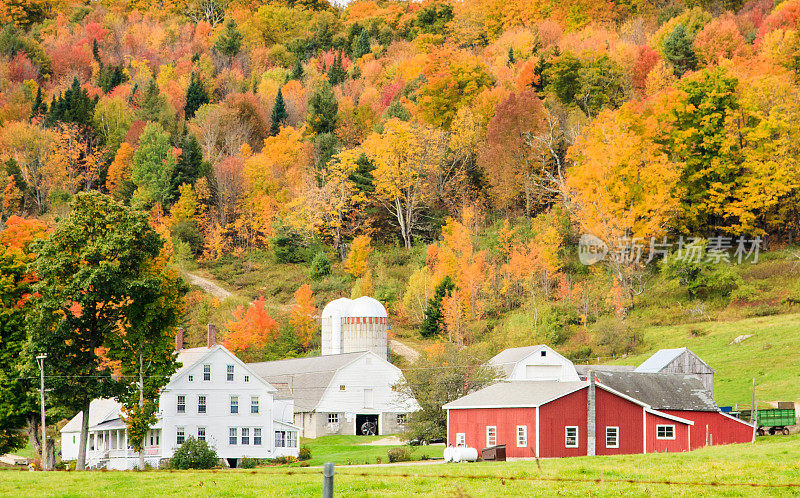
column 754, row 412
column 40, row 360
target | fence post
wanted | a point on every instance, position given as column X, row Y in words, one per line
column 327, row 480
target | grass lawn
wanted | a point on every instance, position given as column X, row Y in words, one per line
column 771, row 356
column 347, row 450
column 771, row 461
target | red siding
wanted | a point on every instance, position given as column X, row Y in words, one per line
column 654, row 445
column 473, row 423
column 614, row 411
column 722, row 429
column 555, row 417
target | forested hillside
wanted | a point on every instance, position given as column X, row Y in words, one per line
column 444, row 157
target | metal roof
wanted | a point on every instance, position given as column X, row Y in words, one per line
column 100, row 410
column 305, row 378
column 661, row 391
column 519, row 393
column 660, row 360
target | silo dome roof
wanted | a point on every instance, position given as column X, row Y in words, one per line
column 337, row 307
column 367, row 306
column 363, row 306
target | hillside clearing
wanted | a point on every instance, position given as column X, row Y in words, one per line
column 723, row 470
column 770, row 355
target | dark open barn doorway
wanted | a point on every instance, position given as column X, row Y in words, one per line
column 367, row 425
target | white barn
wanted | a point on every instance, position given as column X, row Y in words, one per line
column 212, row 397
column 349, row 393
column 534, row 363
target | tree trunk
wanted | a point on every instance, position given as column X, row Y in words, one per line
column 141, row 406
column 34, row 433
column 81, row 463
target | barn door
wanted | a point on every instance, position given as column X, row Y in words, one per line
column 369, row 398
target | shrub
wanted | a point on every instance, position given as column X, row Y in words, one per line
column 400, row 454
column 305, row 453
column 285, row 459
column 248, row 463
column 320, row 266
column 194, row 454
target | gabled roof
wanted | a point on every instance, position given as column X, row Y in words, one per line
column 583, row 370
column 661, row 391
column 516, row 394
column 507, row 359
column 662, row 358
column 100, row 410
column 192, row 356
column 305, row 378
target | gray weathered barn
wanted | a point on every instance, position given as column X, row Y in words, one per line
column 679, row 361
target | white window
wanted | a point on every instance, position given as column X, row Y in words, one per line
column 665, row 432
column 191, row 378
column 491, row 435
column 612, row 437
column 206, row 372
column 230, row 373
column 285, row 439
column 461, row 439
column 257, row 436
column 245, row 435
column 247, row 378
column 254, row 404
column 201, row 433
column 333, row 418
column 522, row 436
column 232, row 436
column 91, row 442
column 401, row 419
column 179, row 439
column 181, row 403
column 201, row 404
column 571, row 436
column 234, row 404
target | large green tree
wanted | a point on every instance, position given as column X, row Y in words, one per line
column 153, row 166
column 95, row 274
column 323, row 109
column 196, row 96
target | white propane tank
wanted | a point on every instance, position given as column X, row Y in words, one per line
column 448, row 454
column 468, row 455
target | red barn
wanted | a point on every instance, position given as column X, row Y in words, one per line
column 557, row 419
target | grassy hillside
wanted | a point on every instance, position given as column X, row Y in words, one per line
column 770, row 355
column 771, row 464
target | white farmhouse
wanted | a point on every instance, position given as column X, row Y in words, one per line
column 349, row 393
column 534, row 363
column 212, row 397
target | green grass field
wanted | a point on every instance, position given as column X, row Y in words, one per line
column 771, row 356
column 350, row 450
column 719, row 471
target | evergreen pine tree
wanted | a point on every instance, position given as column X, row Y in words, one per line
column 39, row 106
column 73, row 106
column 322, row 109
column 297, row 71
column 511, row 59
column 433, row 321
column 678, row 50
column 336, row 73
column 362, row 45
column 196, row 96
column 229, row 41
column 189, row 166
column 279, row 114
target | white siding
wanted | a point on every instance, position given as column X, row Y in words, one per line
column 551, row 366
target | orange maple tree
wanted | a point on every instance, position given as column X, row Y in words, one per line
column 302, row 316
column 252, row 329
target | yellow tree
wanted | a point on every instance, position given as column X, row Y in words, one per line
column 356, row 262
column 405, row 155
column 302, row 316
column 622, row 187
column 118, row 180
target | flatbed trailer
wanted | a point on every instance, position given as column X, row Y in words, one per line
column 771, row 421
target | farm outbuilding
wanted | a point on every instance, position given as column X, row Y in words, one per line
column 607, row 411
column 679, row 361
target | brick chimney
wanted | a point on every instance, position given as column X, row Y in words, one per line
column 179, row 339
column 591, row 420
column 212, row 335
